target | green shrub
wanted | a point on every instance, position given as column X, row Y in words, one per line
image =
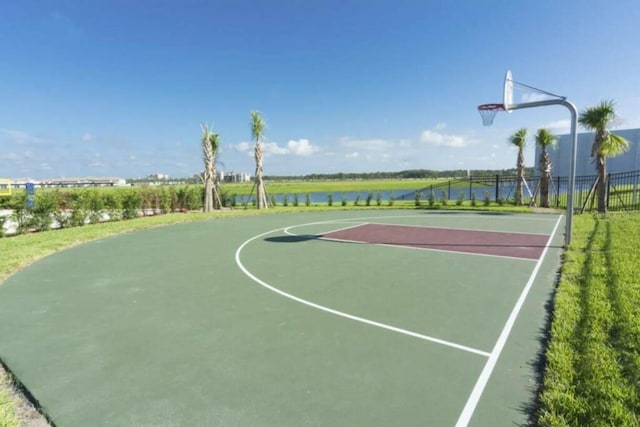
column 285, row 200
column 444, row 200
column 165, row 199
column 432, row 198
column 378, row 198
column 369, row 199
column 307, row 199
column 391, row 199
column 356, row 202
column 343, row 200
column 330, row 199
column 95, row 205
column 295, row 199
column 131, row 203
column 486, row 198
column 147, row 198
column 113, row 204
column 417, row 197
column 193, row 197
column 45, row 205
column 460, row 198
column 18, row 200
column 473, row 199
column 80, row 203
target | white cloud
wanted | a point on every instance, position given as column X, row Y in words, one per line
column 441, row 126
column 242, row 147
column 272, row 148
column 301, row 147
column 443, row 140
column 87, row 137
column 353, row 155
column 558, row 127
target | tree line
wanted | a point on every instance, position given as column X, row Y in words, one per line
column 405, row 174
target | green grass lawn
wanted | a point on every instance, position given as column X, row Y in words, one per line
column 592, row 376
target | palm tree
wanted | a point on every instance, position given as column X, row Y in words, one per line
column 210, row 147
column 544, row 139
column 606, row 144
column 519, row 139
column 257, row 132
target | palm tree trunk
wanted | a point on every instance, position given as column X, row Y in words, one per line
column 217, row 203
column 519, row 177
column 208, row 205
column 545, row 177
column 602, row 183
column 208, row 182
column 259, row 184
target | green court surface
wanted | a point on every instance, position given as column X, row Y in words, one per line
column 257, row 321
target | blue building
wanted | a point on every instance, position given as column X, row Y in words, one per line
column 561, row 155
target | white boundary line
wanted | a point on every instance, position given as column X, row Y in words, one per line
column 481, row 383
column 340, row 313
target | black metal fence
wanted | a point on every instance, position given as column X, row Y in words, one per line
column 623, row 190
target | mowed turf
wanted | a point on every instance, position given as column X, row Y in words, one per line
column 162, row 327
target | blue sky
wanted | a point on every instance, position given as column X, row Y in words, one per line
column 120, row 88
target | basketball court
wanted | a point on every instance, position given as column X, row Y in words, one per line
column 380, row 317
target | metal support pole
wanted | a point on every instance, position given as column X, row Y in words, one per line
column 572, row 170
column 572, row 163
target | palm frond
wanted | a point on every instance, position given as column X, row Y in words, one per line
column 257, row 126
column 544, row 139
column 519, row 139
column 614, row 145
column 598, row 118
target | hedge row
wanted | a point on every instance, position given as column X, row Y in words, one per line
column 65, row 208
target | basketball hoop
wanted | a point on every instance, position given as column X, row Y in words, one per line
column 489, row 111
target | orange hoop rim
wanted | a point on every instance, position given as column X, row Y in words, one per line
column 491, row 107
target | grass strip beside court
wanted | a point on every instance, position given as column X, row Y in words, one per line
column 592, row 375
column 8, row 417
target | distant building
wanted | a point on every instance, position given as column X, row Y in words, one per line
column 72, row 182
column 561, row 155
column 236, row 177
column 158, row 176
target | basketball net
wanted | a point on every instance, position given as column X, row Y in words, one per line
column 488, row 112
